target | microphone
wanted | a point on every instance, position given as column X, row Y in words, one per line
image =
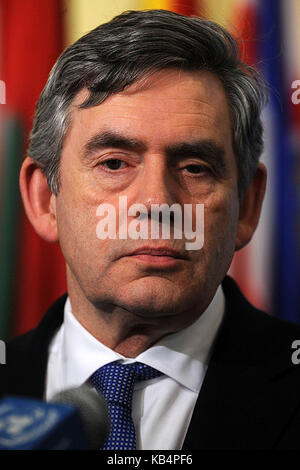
column 75, row 418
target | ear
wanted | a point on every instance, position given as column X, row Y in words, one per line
column 250, row 207
column 39, row 201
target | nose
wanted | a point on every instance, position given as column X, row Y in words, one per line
column 154, row 198
column 156, row 184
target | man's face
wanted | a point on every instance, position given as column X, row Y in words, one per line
column 167, row 139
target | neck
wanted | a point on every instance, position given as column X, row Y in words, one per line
column 119, row 329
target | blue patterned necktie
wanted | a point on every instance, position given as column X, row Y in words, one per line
column 116, row 382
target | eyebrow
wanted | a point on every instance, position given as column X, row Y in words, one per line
column 205, row 149
column 112, row 139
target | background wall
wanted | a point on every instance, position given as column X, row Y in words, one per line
column 33, row 33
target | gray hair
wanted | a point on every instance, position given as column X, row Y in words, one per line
column 129, row 47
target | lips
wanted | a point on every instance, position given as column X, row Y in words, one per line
column 158, row 251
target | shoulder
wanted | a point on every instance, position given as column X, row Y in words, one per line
column 253, row 333
column 43, row 332
column 27, row 355
column 237, row 303
column 251, row 392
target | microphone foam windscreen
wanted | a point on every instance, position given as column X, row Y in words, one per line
column 93, row 411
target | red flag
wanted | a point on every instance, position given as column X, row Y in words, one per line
column 32, row 35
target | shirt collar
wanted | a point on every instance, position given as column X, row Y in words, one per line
column 183, row 356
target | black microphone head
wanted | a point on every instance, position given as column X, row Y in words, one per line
column 93, row 411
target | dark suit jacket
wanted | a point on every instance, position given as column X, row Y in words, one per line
column 250, row 398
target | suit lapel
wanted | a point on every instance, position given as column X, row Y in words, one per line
column 27, row 355
column 249, row 393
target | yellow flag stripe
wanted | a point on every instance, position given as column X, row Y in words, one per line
column 220, row 11
column 84, row 15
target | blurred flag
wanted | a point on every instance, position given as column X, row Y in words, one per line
column 32, row 272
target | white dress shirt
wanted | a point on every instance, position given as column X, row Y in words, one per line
column 162, row 407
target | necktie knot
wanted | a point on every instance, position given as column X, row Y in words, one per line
column 116, row 382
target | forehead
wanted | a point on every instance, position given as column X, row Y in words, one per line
column 167, row 106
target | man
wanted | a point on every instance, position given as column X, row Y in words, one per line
column 157, row 108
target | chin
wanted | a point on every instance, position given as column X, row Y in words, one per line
column 149, row 304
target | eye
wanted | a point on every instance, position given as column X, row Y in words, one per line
column 114, row 164
column 197, row 169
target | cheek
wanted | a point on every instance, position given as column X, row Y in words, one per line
column 220, row 224
column 76, row 229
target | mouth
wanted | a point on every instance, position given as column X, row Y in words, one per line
column 161, row 256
